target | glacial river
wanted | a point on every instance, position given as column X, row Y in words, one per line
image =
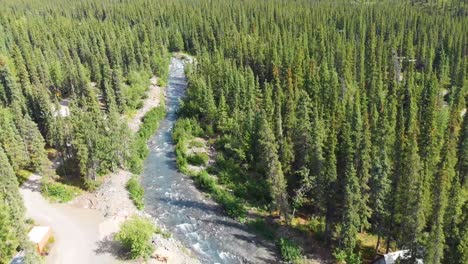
column 171, row 197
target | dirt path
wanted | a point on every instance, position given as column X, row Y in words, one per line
column 76, row 230
column 83, row 228
column 153, row 99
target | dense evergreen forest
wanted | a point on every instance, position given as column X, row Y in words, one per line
column 349, row 113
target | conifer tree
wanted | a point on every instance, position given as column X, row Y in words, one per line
column 12, row 226
column 273, row 171
column 444, row 177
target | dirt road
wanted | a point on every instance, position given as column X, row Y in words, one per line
column 76, row 230
column 83, row 228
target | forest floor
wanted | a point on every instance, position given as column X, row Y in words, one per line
column 83, row 228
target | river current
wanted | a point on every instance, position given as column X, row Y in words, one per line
column 171, row 197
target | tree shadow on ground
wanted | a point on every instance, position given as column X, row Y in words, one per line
column 112, row 247
column 33, row 184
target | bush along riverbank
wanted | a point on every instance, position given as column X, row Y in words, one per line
column 139, row 149
column 194, row 165
column 139, row 152
column 136, row 192
column 213, row 178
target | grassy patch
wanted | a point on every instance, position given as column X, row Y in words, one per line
column 367, row 243
column 164, row 234
column 59, row 192
column 196, row 144
column 206, row 182
column 249, row 186
column 314, row 225
column 290, row 252
column 136, row 192
column 198, row 159
column 150, row 122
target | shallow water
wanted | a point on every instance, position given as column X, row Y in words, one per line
column 198, row 222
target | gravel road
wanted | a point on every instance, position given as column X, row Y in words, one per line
column 76, row 230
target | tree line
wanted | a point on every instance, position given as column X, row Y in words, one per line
column 350, row 111
column 357, row 111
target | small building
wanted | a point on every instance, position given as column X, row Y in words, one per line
column 40, row 236
column 391, row 258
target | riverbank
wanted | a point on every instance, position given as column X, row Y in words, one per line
column 192, row 217
column 84, row 227
column 154, row 95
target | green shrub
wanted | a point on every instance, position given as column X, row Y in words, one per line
column 206, row 182
column 262, row 227
column 92, row 185
column 139, row 105
column 136, row 192
column 196, row 144
column 290, row 252
column 317, row 226
column 150, row 122
column 159, row 65
column 198, row 159
column 349, row 258
column 59, row 192
column 23, row 175
column 135, row 164
column 138, row 149
column 186, row 128
column 135, row 235
column 232, row 205
column 134, row 91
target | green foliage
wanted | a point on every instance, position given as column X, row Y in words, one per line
column 160, row 67
column 139, row 149
column 198, row 159
column 150, row 122
column 12, row 227
column 350, row 91
column 136, row 192
column 135, row 235
column 164, row 234
column 196, row 144
column 233, row 206
column 290, row 252
column 59, row 192
column 206, row 182
column 342, row 257
column 185, row 129
column 7, row 235
column 23, row 175
column 92, row 185
column 134, row 91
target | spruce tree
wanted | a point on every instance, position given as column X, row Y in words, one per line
column 273, row 171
